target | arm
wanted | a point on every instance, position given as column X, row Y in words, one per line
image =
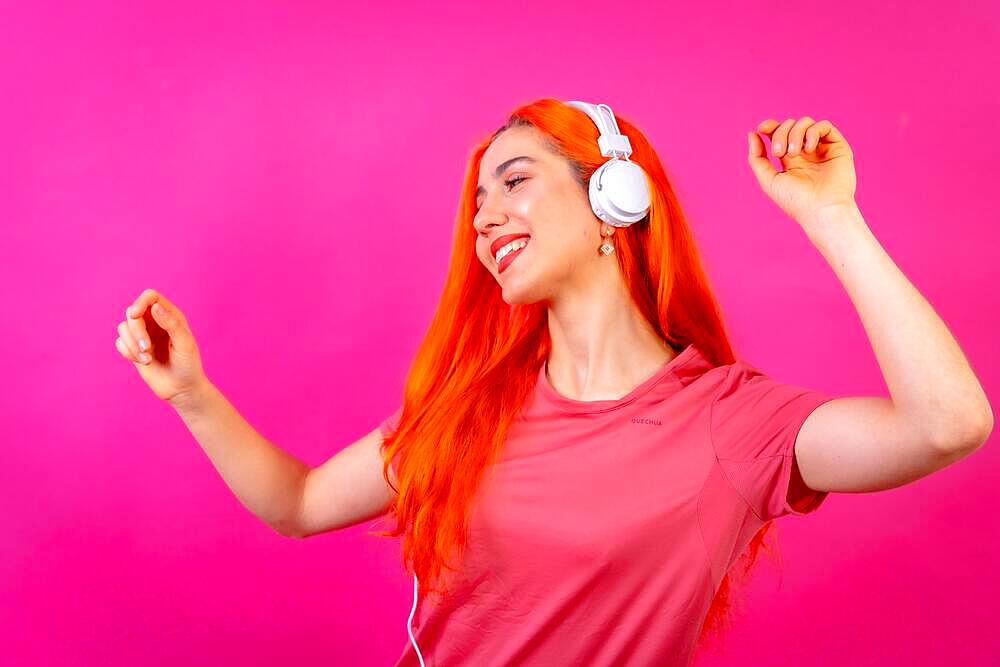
column 938, row 412
column 265, row 479
column 345, row 490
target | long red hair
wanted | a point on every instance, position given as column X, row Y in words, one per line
column 480, row 357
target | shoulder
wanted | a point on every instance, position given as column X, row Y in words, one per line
column 753, row 413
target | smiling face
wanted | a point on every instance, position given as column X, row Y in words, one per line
column 539, row 196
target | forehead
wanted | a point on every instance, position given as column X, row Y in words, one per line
column 515, row 141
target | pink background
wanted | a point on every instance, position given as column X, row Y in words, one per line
column 289, row 177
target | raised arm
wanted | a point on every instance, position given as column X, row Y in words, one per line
column 937, row 411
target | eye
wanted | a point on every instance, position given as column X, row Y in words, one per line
column 510, row 182
column 513, row 181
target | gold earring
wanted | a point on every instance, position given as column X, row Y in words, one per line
column 607, row 247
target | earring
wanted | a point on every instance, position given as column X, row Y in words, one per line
column 607, row 248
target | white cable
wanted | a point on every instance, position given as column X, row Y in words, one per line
column 409, row 622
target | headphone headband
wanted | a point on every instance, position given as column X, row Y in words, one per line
column 611, row 141
column 619, row 190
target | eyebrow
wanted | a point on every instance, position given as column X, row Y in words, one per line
column 503, row 167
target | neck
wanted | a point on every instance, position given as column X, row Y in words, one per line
column 602, row 347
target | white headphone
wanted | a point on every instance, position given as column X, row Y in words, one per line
column 619, row 191
column 619, row 195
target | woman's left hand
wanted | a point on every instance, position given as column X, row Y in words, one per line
column 818, row 166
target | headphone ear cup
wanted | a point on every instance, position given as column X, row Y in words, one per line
column 597, row 198
column 620, row 190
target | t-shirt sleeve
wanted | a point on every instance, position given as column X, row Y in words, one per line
column 755, row 420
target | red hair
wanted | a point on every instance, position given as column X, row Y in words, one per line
column 480, row 357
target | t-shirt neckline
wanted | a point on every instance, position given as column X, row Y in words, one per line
column 573, row 405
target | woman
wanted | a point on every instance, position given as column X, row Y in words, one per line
column 579, row 459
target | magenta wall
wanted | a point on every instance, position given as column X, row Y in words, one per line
column 289, row 176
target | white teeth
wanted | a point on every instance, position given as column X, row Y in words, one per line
column 510, row 247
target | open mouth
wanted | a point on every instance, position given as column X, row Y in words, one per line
column 508, row 253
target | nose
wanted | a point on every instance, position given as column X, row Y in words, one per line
column 487, row 222
column 487, row 218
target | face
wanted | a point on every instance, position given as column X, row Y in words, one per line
column 541, row 198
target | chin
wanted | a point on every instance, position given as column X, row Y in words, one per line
column 517, row 292
column 517, row 300
column 517, row 286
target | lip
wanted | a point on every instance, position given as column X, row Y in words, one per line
column 508, row 259
column 502, row 241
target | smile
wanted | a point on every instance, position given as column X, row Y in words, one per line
column 509, row 252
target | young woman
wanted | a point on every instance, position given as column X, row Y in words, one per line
column 579, row 459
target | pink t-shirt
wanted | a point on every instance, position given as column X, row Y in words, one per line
column 602, row 533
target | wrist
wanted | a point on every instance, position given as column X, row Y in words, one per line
column 829, row 210
column 193, row 399
column 829, row 221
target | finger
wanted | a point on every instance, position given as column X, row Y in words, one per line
column 126, row 335
column 810, row 139
column 827, row 133
column 138, row 307
column 760, row 164
column 134, row 316
column 796, row 133
column 169, row 316
column 143, row 302
column 780, row 137
column 767, row 127
column 122, row 347
column 137, row 329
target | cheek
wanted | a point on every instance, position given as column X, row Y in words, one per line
column 483, row 253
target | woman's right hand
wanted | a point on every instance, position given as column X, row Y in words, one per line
column 169, row 363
